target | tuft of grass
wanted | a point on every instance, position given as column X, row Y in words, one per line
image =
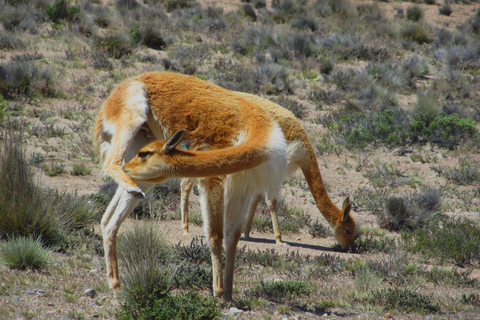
column 415, row 13
column 143, row 243
column 24, row 253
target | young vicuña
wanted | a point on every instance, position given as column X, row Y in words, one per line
column 244, row 153
column 300, row 154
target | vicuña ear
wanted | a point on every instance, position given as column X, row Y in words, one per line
column 346, row 209
column 173, row 141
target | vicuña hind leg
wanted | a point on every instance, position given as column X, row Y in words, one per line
column 186, row 187
column 211, row 197
column 121, row 205
column 272, row 206
column 248, row 224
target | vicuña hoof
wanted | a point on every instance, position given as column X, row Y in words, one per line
column 137, row 193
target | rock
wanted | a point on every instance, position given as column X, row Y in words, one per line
column 234, row 310
column 94, row 271
column 90, row 293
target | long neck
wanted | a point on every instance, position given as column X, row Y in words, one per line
column 314, row 178
column 195, row 164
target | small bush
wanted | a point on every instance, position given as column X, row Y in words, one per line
column 417, row 33
column 81, row 169
column 411, row 212
column 446, row 9
column 190, row 305
column 404, row 300
column 369, row 244
column 267, row 258
column 279, row 291
column 25, row 78
column 318, row 230
column 197, row 252
column 62, row 10
column 465, row 175
column 297, row 108
column 24, row 253
column 10, row 42
column 447, row 239
column 190, row 275
column 28, row 210
column 117, row 45
column 415, row 13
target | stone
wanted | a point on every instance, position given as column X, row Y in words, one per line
column 90, row 293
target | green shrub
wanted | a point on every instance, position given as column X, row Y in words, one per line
column 279, row 290
column 415, row 13
column 446, row 8
column 62, row 10
column 266, row 258
column 81, row 169
column 370, row 244
column 196, row 252
column 28, row 210
column 25, row 78
column 117, row 45
column 447, row 239
column 417, row 33
column 3, row 106
column 24, row 253
column 404, row 300
column 464, row 175
column 297, row 108
column 10, row 42
column 189, row 305
column 190, row 275
column 453, row 277
column 319, row 230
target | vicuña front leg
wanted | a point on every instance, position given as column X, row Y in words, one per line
column 234, row 216
column 121, row 205
column 211, row 197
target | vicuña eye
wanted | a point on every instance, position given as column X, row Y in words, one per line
column 348, row 232
column 143, row 154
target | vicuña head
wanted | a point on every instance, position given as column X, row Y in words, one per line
column 161, row 160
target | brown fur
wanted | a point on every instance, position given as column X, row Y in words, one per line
column 342, row 222
column 237, row 133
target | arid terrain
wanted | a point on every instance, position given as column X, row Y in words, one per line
column 341, row 82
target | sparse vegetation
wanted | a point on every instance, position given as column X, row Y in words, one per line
column 386, row 91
